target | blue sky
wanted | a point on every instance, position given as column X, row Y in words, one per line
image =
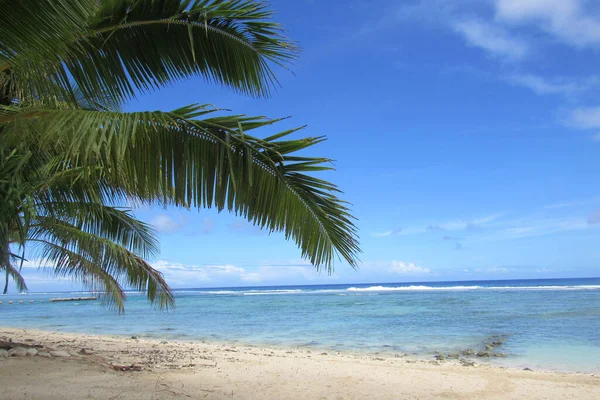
column 466, row 135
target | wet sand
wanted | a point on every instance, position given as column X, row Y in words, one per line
column 127, row 368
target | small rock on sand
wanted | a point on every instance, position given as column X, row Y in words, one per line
column 32, row 352
column 17, row 352
column 43, row 354
column 3, row 353
column 467, row 363
column 59, row 353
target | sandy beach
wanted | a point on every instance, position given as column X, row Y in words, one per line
column 106, row 367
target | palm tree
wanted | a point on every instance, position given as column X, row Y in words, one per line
column 67, row 65
column 61, row 213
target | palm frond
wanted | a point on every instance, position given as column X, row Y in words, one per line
column 66, row 262
column 121, row 47
column 211, row 162
column 83, row 255
column 41, row 29
column 14, row 274
column 114, row 224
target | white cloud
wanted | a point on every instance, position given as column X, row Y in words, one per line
column 400, row 267
column 521, row 10
column 185, row 275
column 585, row 118
column 492, row 38
column 387, row 233
column 508, row 28
column 567, row 20
column 383, row 234
column 166, row 224
column 543, row 86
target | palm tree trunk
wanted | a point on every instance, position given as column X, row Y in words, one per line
column 4, row 263
column 4, row 254
column 5, row 284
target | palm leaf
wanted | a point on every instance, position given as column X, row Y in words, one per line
column 96, row 260
column 111, row 223
column 212, row 162
column 118, row 47
column 14, row 274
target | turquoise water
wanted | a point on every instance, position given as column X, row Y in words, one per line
column 549, row 324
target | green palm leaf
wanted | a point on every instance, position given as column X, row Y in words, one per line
column 93, row 258
column 174, row 158
column 118, row 47
column 68, row 156
column 58, row 212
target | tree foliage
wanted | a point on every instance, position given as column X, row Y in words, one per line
column 70, row 155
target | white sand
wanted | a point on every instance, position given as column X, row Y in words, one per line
column 211, row 371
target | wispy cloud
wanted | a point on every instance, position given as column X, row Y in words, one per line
column 166, row 224
column 492, row 38
column 393, row 232
column 584, row 118
column 565, row 86
column 186, row 275
column 181, row 272
column 503, row 27
column 566, row 20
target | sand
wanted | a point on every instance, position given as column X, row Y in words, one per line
column 196, row 370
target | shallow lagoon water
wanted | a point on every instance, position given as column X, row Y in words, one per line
column 549, row 324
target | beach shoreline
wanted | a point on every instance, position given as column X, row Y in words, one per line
column 103, row 366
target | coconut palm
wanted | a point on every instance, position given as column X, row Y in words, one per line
column 67, row 65
column 60, row 213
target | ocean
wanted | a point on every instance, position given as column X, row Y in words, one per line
column 551, row 324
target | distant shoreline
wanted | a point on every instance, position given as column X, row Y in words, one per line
column 217, row 370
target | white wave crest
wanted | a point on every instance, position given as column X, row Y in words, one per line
column 274, row 291
column 415, row 288
column 409, row 288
